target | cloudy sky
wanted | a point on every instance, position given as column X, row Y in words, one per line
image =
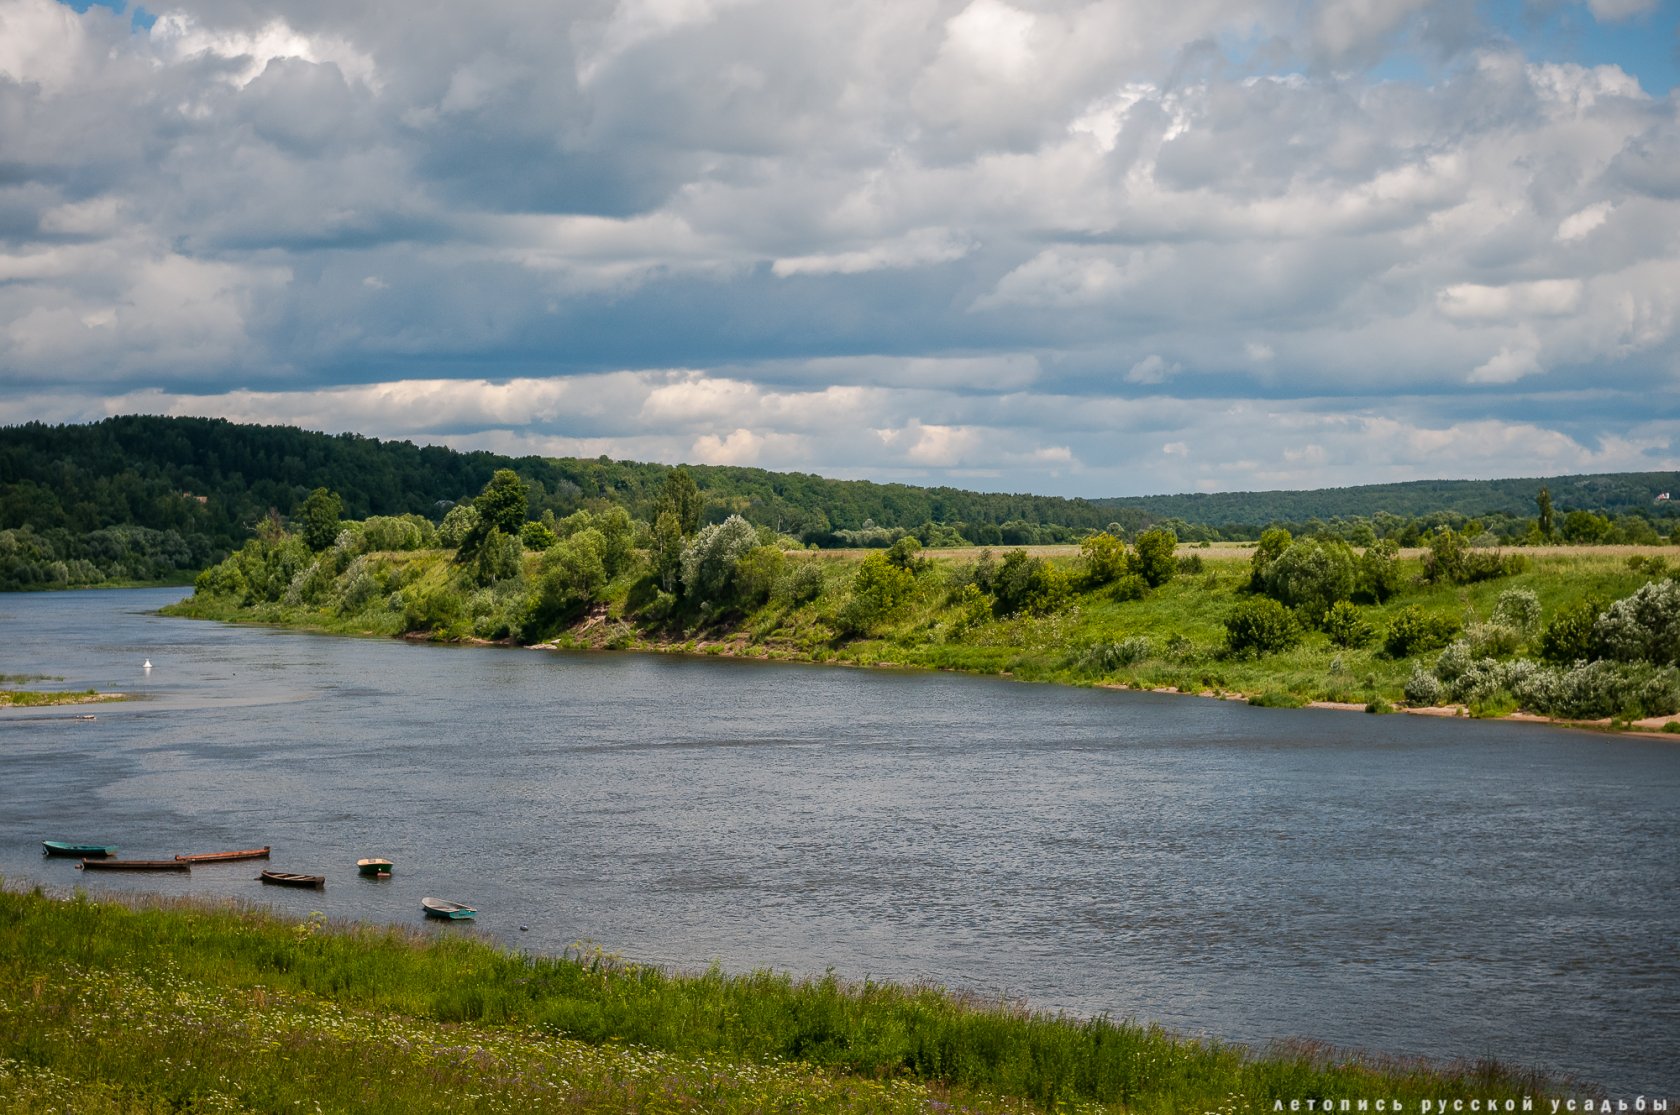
column 1080, row 247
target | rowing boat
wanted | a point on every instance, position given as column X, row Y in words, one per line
column 134, row 865
column 222, row 857
column 78, row 851
column 443, row 908
column 374, row 866
column 290, row 879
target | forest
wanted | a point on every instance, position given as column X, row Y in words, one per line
column 146, row 499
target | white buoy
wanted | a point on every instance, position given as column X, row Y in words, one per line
column 147, row 665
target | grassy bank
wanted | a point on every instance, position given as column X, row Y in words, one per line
column 170, row 1006
column 1174, row 634
column 24, row 698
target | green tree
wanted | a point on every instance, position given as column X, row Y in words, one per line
column 1377, row 579
column 502, row 506
column 1105, row 558
column 709, row 560
column 667, row 550
column 1311, row 575
column 878, row 587
column 1544, row 502
column 681, row 497
column 573, row 573
column 317, row 518
column 1273, row 541
column 1154, row 556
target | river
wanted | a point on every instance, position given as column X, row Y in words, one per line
column 1398, row 884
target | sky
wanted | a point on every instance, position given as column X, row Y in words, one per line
column 1072, row 247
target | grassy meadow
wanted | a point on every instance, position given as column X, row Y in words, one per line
column 173, row 1006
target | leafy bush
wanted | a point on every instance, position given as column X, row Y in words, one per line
column 1518, row 609
column 1346, row 627
column 1129, row 587
column 709, row 560
column 757, row 574
column 1105, row 558
column 1377, row 575
column 1423, row 689
column 1022, row 583
column 1106, row 657
column 1452, row 558
column 1261, row 626
column 801, row 584
column 878, row 588
column 1153, row 556
column 1493, row 640
column 1569, row 637
column 1644, row 627
column 1415, row 631
column 1311, row 575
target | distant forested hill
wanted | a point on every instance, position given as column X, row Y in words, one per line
column 140, row 498
column 1612, row 494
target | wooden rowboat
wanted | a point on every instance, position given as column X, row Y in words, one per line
column 289, row 879
column 221, row 857
column 443, row 908
column 134, row 865
column 78, row 851
column 374, row 866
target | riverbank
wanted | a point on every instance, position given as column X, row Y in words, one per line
column 165, row 1004
column 980, row 613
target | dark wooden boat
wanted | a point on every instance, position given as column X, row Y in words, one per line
column 222, row 857
column 78, row 851
column 289, row 879
column 374, row 866
column 443, row 908
column 134, row 865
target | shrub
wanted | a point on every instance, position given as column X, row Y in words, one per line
column 1493, row 640
column 1644, row 627
column 1415, row 631
column 1569, row 637
column 1377, row 576
column 1518, row 609
column 1453, row 559
column 1346, row 627
column 1021, row 583
column 1105, row 559
column 801, row 584
column 1312, row 574
column 757, row 574
column 1130, row 587
column 1190, row 564
column 1261, row 626
column 1153, row 556
column 1422, row 688
column 1106, row 657
column 709, row 559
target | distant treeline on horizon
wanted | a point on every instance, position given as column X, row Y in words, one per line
column 145, row 498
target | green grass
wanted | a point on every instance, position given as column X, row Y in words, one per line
column 172, row 1006
column 30, row 697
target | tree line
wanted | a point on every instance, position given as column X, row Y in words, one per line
column 143, row 498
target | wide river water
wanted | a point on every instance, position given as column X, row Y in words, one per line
column 1404, row 885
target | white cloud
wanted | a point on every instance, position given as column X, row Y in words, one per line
column 1152, row 369
column 1620, row 9
column 1508, row 365
column 978, row 225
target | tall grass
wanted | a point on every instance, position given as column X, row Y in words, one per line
column 176, row 1006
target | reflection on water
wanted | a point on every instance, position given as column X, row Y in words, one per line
column 1399, row 884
